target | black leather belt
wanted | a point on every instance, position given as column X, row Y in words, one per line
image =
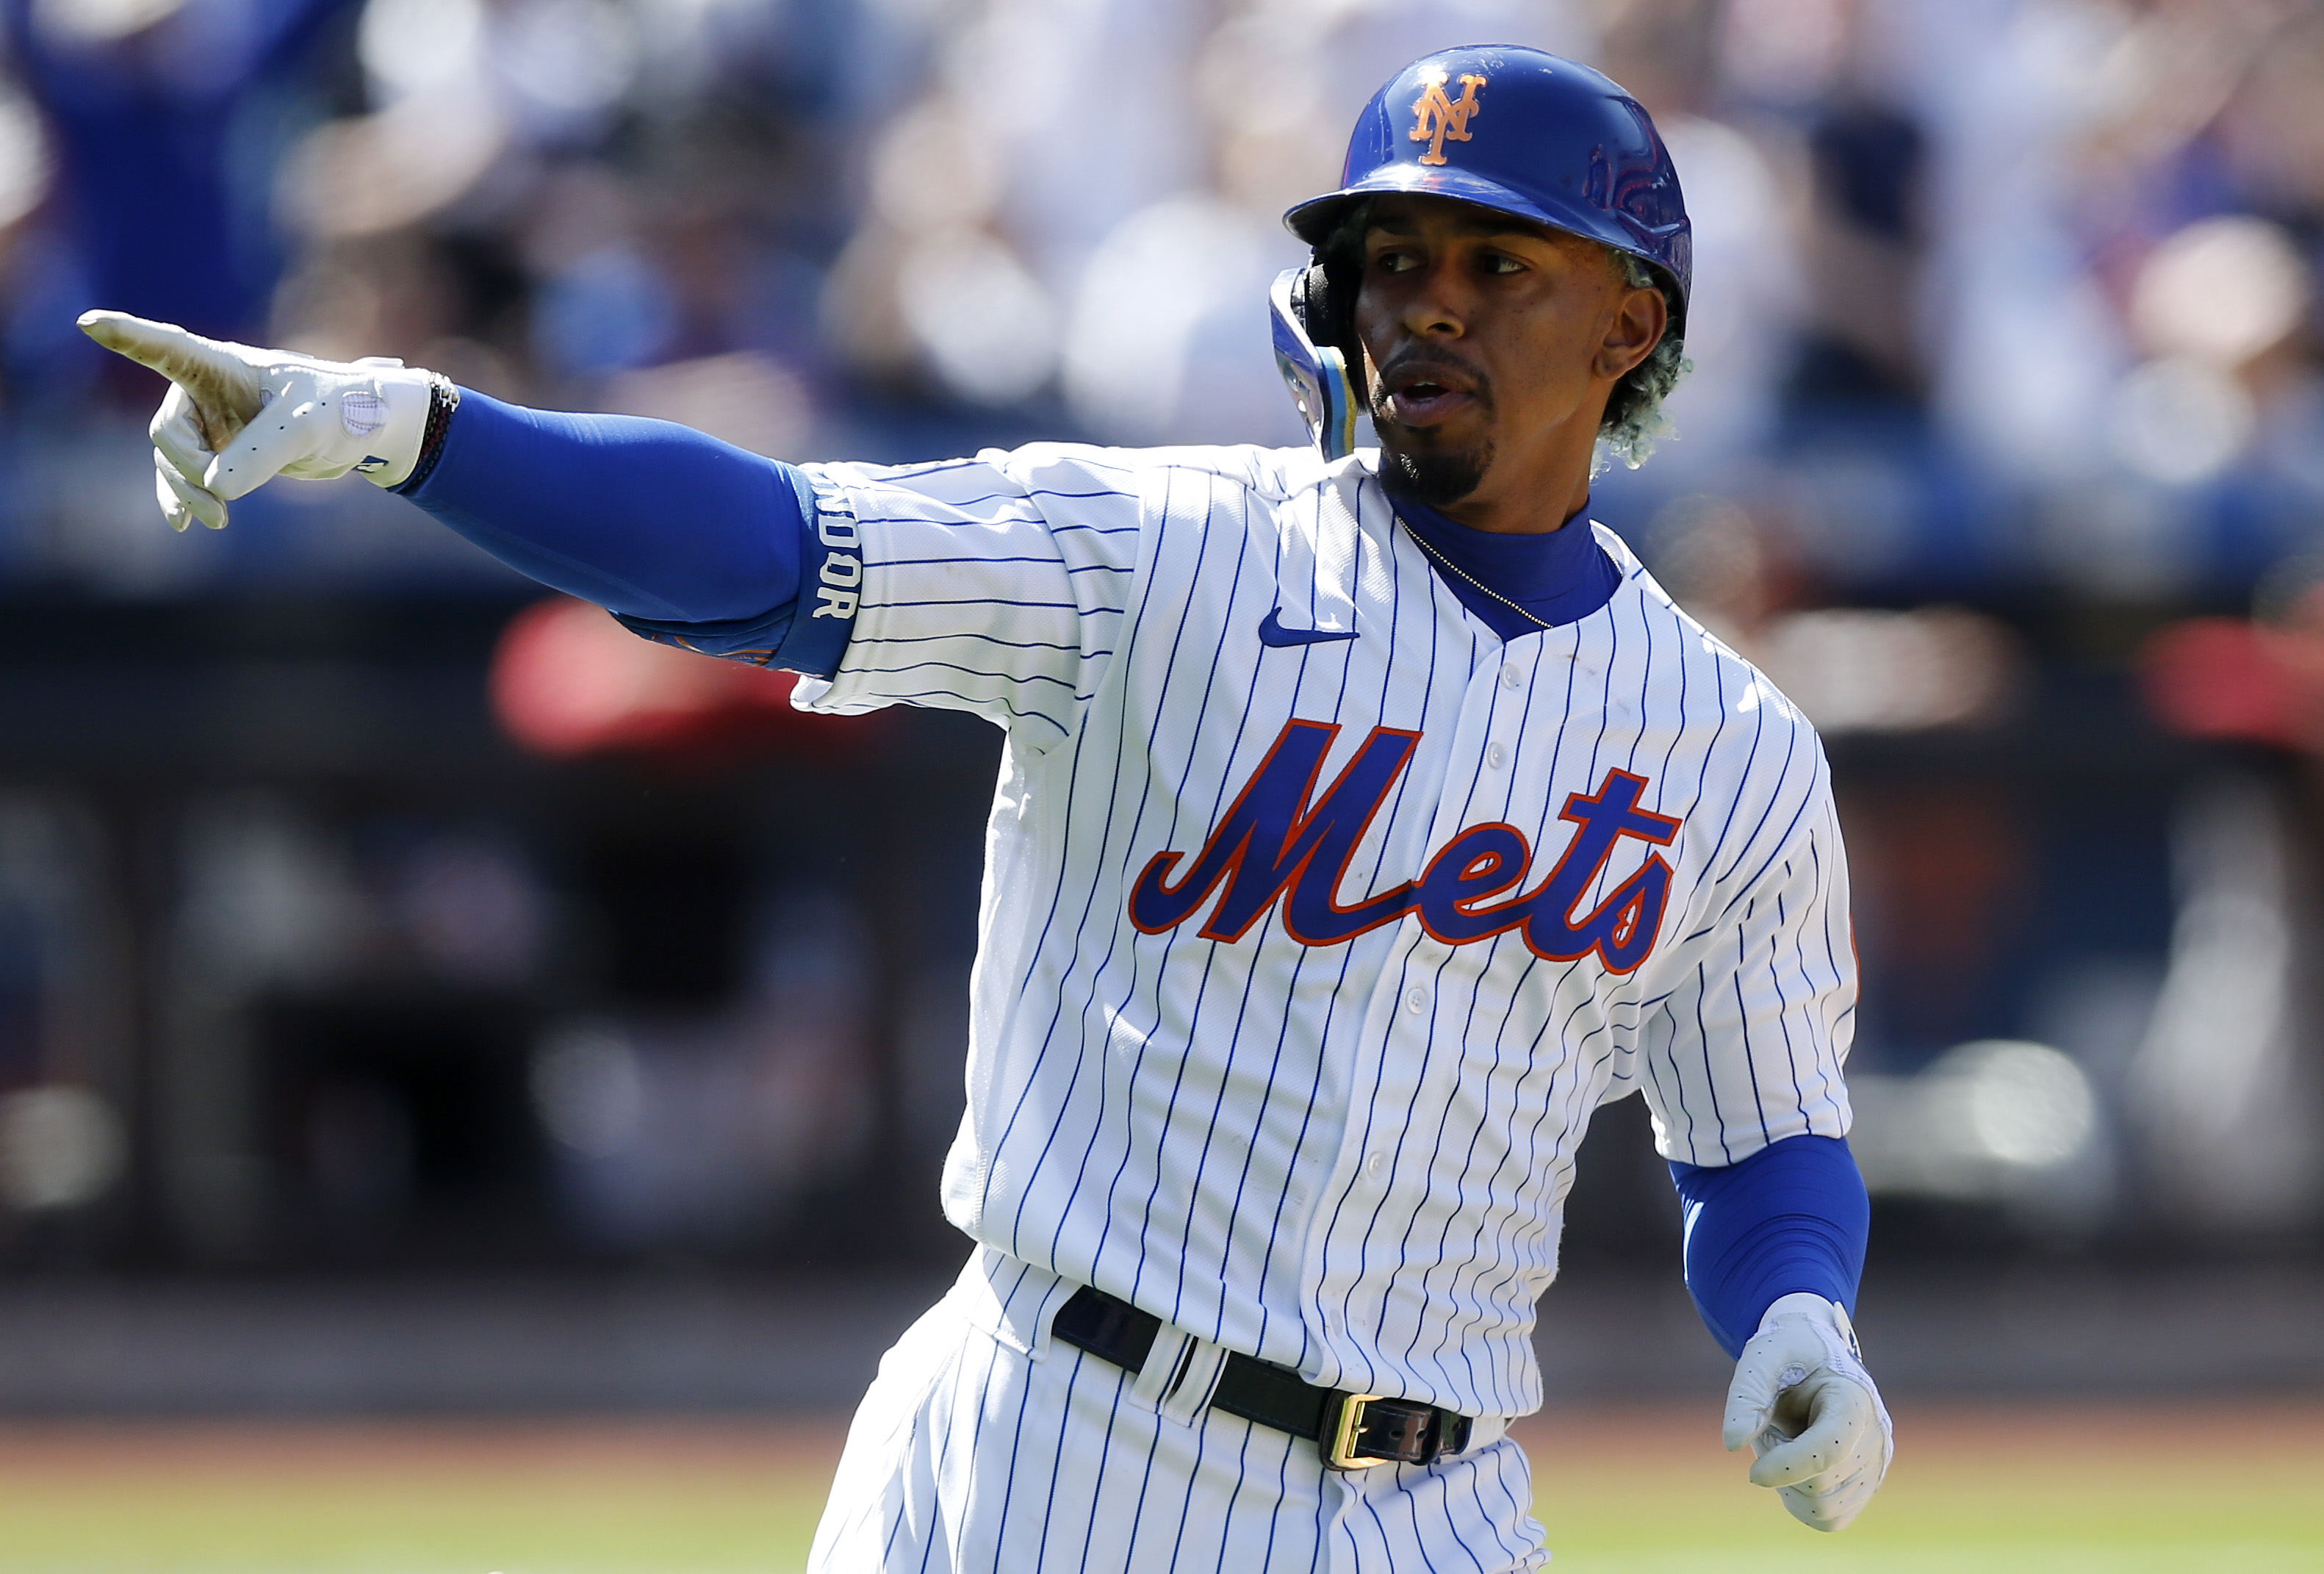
column 1353, row 1430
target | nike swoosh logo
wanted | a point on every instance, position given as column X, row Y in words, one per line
column 1271, row 632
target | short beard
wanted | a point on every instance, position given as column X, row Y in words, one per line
column 1434, row 480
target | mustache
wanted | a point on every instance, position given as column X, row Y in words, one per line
column 1413, row 364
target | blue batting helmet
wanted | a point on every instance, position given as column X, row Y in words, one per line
column 1524, row 133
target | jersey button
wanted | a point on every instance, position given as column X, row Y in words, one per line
column 1375, row 1163
column 1496, row 755
column 1512, row 676
column 1416, row 1001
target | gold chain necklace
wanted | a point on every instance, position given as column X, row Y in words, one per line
column 1437, row 557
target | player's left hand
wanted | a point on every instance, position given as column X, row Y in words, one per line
column 237, row 416
column 1806, row 1405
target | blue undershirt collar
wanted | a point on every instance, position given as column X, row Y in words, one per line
column 1561, row 577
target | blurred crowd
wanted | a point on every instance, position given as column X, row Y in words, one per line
column 1990, row 291
column 2006, row 350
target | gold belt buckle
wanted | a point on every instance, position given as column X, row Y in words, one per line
column 1339, row 1456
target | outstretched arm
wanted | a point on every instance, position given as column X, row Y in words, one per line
column 651, row 520
column 645, row 518
column 945, row 584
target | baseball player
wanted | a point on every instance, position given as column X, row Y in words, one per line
column 1367, row 819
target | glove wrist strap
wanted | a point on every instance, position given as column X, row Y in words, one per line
column 443, row 399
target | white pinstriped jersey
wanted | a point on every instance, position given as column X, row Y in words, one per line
column 1317, row 919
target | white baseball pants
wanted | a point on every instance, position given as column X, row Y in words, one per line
column 985, row 1445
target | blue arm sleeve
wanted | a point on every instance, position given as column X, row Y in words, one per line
column 1791, row 1217
column 684, row 538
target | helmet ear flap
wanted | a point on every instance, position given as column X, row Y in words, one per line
column 1315, row 369
column 1324, row 296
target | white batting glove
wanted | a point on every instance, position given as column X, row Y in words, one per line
column 1806, row 1405
column 236, row 417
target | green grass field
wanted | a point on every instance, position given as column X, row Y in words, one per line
column 2127, row 1490
column 2120, row 1489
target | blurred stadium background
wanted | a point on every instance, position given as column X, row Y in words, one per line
column 471, row 1083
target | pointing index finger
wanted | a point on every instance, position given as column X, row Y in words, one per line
column 225, row 390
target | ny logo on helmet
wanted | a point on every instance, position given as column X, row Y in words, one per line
column 1436, row 118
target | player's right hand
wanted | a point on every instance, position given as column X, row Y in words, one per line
column 1808, row 1408
column 235, row 417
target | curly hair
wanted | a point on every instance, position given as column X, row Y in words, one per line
column 1633, row 420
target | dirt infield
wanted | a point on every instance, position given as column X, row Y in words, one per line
column 576, row 1450
column 2000, row 1488
column 1948, row 1437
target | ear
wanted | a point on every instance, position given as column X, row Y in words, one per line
column 1636, row 325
